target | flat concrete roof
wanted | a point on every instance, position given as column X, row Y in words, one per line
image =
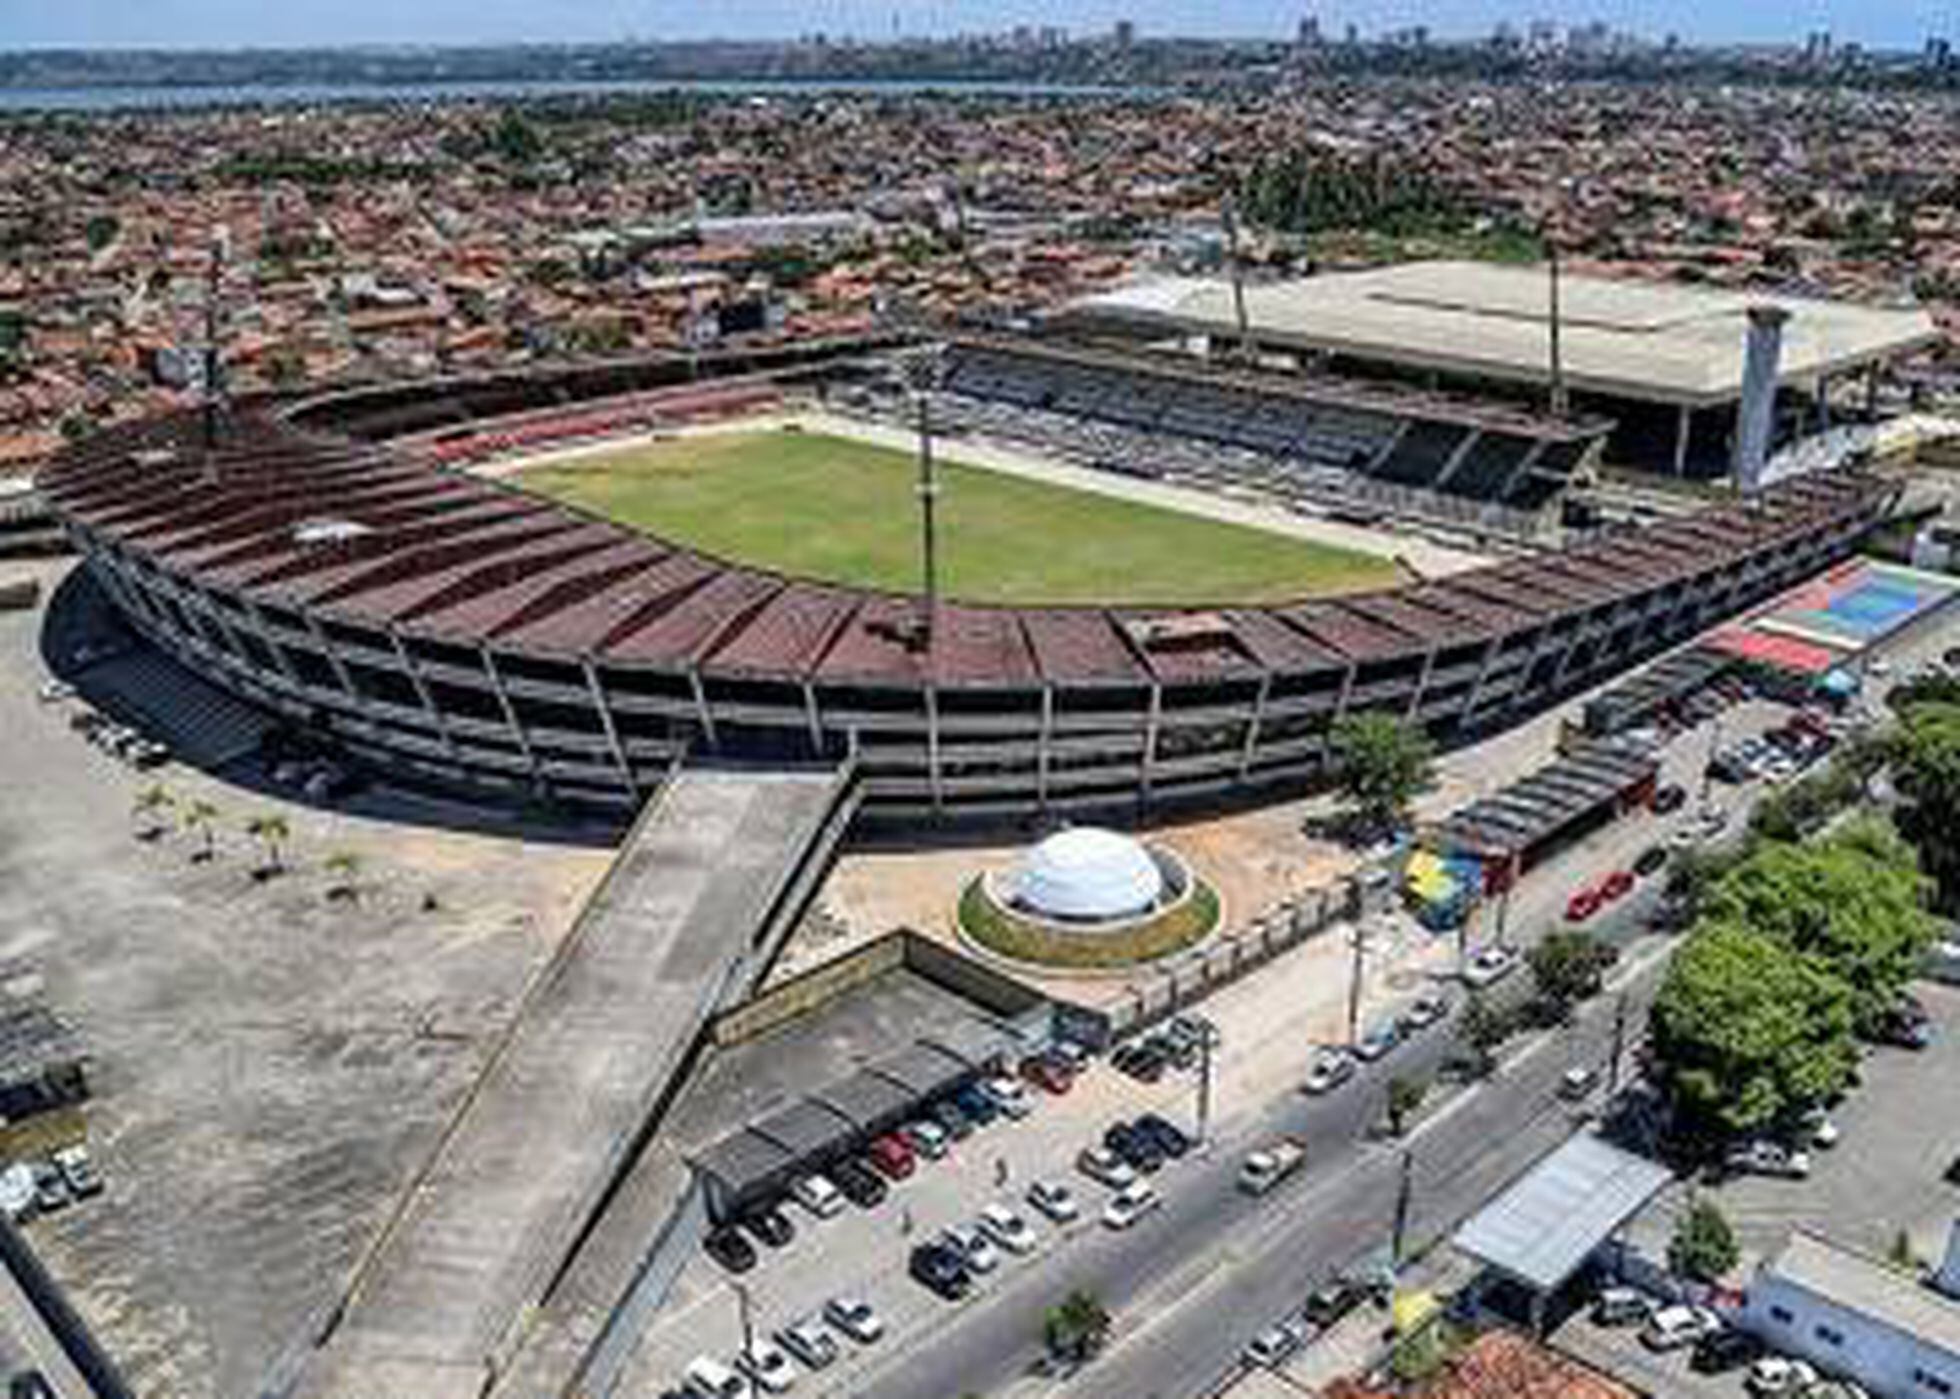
column 1549, row 1222
column 1864, row 1285
column 1627, row 339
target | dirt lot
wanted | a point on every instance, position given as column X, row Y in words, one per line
column 270, row 1063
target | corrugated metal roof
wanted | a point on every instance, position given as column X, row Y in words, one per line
column 1547, row 1224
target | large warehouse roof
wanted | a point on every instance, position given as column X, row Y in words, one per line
column 1639, row 340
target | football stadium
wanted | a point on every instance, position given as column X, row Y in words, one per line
column 377, row 570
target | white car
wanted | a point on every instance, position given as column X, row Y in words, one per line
column 1004, row 1225
column 1426, row 1010
column 929, row 1139
column 806, row 1339
column 1275, row 1343
column 1331, row 1068
column 767, row 1367
column 1489, row 965
column 1764, row 1158
column 1130, row 1204
column 54, row 691
column 1009, row 1095
column 1105, row 1167
column 973, row 1247
column 817, row 1195
column 710, row 1379
column 1055, row 1200
column 1670, row 1328
column 1775, row 1376
column 854, row 1317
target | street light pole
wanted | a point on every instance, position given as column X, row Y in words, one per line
column 1359, row 941
column 742, row 1312
column 1204, row 1088
column 1403, row 1190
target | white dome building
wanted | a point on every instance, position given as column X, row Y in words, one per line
column 1087, row 875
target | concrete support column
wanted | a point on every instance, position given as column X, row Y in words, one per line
column 1823, row 403
column 415, row 678
column 1043, row 754
column 511, row 720
column 1252, row 725
column 701, row 710
column 1684, row 431
column 1149, row 763
column 814, row 718
column 598, row 692
column 932, row 748
column 1871, row 389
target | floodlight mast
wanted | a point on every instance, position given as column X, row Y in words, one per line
column 1560, row 406
column 213, row 368
column 1230, row 217
column 923, row 372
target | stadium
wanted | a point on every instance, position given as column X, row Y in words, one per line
column 338, row 562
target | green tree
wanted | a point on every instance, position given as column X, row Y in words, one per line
column 1076, row 1328
column 272, row 832
column 100, row 231
column 1855, row 900
column 200, row 816
column 1567, row 966
column 152, row 808
column 1405, row 1097
column 344, row 868
column 516, row 139
column 1926, row 771
column 1747, row 1032
column 1483, row 1028
column 1703, row 1246
column 1380, row 763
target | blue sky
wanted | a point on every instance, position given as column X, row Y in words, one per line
column 224, row 23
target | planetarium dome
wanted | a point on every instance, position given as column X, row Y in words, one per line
column 1087, row 874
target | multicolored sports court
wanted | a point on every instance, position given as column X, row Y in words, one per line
column 1831, row 621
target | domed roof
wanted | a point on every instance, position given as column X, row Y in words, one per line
column 1087, row 873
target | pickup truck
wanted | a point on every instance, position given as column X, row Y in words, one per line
column 1270, row 1164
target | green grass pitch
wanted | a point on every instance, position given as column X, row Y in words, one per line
column 830, row 508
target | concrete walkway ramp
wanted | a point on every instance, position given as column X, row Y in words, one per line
column 685, row 921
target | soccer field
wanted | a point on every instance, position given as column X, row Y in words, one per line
column 830, row 508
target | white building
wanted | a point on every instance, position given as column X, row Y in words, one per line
column 1854, row 1316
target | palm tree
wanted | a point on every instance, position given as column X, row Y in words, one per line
column 152, row 802
column 201, row 816
column 344, row 866
column 271, row 831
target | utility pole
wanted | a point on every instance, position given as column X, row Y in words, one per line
column 1204, row 1088
column 1230, row 217
column 1559, row 405
column 928, row 491
column 1404, row 1189
column 745, row 1316
column 1359, row 941
column 1619, row 1045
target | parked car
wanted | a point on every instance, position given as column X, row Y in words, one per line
column 1046, row 1074
column 1270, row 1164
column 1010, row 1096
column 710, row 1379
column 1105, row 1167
column 1621, row 1306
column 891, row 1156
column 1578, row 1082
column 806, row 1339
column 1130, row 1204
column 1669, row 798
column 767, row 1222
column 975, row 1104
column 940, row 1268
column 1006, row 1227
column 1724, row 1350
column 1166, row 1136
column 855, row 1318
column 1331, row 1301
column 728, row 1248
column 767, row 1367
column 948, row 1115
column 1616, row 885
column 1073, row 1055
column 975, row 1249
column 50, row 1189
column 1776, row 1376
column 1649, row 861
column 1901, row 1029
column 1278, row 1341
column 76, row 1167
column 860, row 1184
column 1582, row 905
column 1054, row 1199
column 1426, row 1010
column 1670, row 1328
column 1377, row 1041
column 927, row 1139
column 1767, row 1158
column 1489, row 965
column 1136, row 1147
column 817, row 1194
column 1330, row 1069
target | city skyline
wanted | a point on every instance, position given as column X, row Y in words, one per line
column 308, row 23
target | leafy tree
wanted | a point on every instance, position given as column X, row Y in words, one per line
column 1380, row 763
column 1482, row 1028
column 516, row 139
column 1703, row 1246
column 272, row 832
column 200, row 816
column 1926, row 770
column 1747, row 1032
column 1568, row 966
column 152, row 807
column 100, row 231
column 1405, row 1097
column 344, row 866
column 1854, row 901
column 1076, row 1328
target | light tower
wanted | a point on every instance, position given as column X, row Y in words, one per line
column 922, row 369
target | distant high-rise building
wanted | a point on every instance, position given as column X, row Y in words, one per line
column 1939, row 53
column 1308, row 35
column 1353, row 35
column 1126, row 33
column 1817, row 47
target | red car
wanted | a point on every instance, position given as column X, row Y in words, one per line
column 1582, row 905
column 1618, row 885
column 892, row 1156
column 1045, row 1073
